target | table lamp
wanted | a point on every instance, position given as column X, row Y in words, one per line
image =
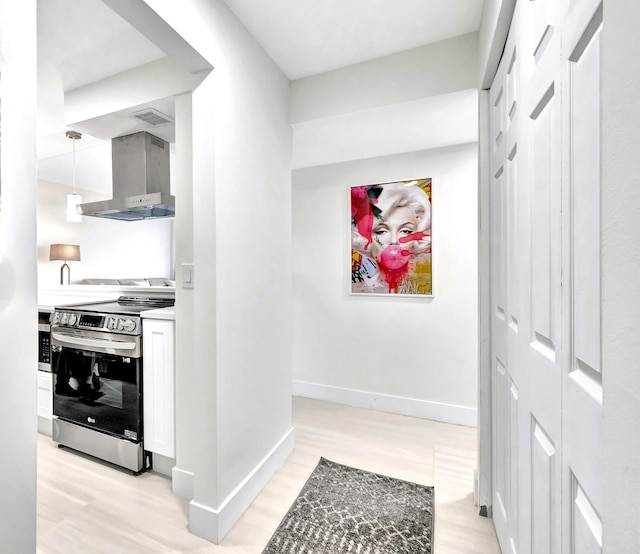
column 67, row 253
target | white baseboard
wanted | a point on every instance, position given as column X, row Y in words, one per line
column 213, row 524
column 182, row 483
column 44, row 425
column 425, row 409
column 163, row 465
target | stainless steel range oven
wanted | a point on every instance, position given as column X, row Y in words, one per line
column 97, row 366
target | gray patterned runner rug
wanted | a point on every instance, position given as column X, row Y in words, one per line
column 342, row 509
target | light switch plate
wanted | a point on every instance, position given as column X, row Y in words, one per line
column 187, row 276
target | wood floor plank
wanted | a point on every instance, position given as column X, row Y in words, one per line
column 88, row 507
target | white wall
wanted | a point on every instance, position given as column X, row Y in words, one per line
column 108, row 248
column 18, row 313
column 404, row 77
column 393, row 118
column 620, row 293
column 234, row 399
column 415, row 356
column 415, row 100
column 426, row 123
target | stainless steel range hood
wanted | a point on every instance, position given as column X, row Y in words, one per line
column 140, row 164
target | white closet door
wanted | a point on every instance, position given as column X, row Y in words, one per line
column 507, row 238
column 545, row 295
column 582, row 375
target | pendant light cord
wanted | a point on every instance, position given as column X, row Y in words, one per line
column 74, row 136
column 73, row 140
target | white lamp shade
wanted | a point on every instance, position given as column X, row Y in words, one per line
column 72, row 208
column 66, row 252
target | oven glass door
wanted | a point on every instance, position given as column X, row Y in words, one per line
column 98, row 390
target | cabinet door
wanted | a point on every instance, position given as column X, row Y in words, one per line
column 45, row 398
column 158, row 387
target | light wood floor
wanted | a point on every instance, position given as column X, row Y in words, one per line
column 88, row 507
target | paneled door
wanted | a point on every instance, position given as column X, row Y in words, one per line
column 545, row 280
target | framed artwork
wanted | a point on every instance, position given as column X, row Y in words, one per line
column 391, row 238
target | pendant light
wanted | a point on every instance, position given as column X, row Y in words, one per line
column 74, row 199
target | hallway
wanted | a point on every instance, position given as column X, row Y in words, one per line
column 86, row 507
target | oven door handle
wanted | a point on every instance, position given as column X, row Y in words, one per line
column 96, row 343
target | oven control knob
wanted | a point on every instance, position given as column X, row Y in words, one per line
column 63, row 318
column 55, row 318
column 126, row 325
column 111, row 323
column 72, row 319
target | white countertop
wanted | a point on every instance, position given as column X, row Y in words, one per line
column 168, row 313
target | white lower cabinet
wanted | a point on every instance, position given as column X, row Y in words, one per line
column 45, row 401
column 45, row 394
column 158, row 386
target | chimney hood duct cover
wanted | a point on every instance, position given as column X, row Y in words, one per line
column 140, row 164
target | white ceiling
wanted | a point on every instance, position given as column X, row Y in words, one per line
column 306, row 37
column 84, row 42
column 74, row 38
column 86, row 50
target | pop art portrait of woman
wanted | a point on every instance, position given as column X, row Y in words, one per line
column 391, row 238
